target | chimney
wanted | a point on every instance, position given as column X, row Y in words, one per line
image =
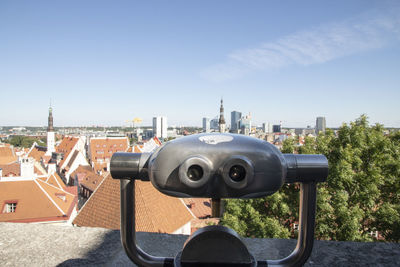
column 27, row 167
column 51, row 168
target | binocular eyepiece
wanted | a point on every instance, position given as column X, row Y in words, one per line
column 219, row 166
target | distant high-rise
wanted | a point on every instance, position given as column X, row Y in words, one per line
column 221, row 118
column 320, row 125
column 235, row 117
column 245, row 124
column 214, row 125
column 267, row 127
column 206, row 125
column 160, row 127
column 51, row 139
column 276, row 128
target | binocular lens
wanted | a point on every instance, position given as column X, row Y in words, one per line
column 237, row 173
column 195, row 172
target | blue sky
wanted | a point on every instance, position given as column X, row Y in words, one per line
column 104, row 62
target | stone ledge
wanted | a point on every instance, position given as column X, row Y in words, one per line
column 56, row 245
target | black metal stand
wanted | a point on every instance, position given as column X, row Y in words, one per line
column 297, row 258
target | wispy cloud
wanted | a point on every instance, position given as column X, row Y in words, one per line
column 314, row 46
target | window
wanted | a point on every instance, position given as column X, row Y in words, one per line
column 10, row 207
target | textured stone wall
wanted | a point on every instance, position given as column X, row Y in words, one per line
column 56, row 245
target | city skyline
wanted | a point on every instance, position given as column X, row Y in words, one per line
column 103, row 64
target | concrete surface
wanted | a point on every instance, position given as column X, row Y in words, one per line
column 56, row 245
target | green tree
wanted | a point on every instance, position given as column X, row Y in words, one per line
column 361, row 194
column 21, row 141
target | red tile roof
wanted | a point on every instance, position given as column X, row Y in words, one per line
column 155, row 212
column 91, row 181
column 36, row 201
column 101, row 150
column 11, row 169
column 7, row 155
column 200, row 207
column 37, row 153
column 66, row 146
column 87, row 177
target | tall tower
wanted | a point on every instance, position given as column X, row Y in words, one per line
column 221, row 118
column 235, row 118
column 51, row 140
column 160, row 127
column 320, row 125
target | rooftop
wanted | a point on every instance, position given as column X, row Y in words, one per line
column 56, row 245
column 156, row 212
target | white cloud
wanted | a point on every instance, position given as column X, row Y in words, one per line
column 314, row 46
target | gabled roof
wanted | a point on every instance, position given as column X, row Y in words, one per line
column 36, row 201
column 91, row 180
column 73, row 157
column 66, row 146
column 149, row 146
column 37, row 152
column 200, row 207
column 155, row 212
column 7, row 155
column 87, row 177
column 54, row 180
column 11, row 169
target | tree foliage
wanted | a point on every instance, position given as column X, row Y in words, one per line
column 23, row 141
column 361, row 194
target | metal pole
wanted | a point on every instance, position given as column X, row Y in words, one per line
column 128, row 231
column 215, row 207
column 305, row 240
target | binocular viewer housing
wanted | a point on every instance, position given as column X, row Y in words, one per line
column 219, row 166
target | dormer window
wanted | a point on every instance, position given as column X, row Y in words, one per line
column 10, row 207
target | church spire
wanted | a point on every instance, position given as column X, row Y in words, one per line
column 51, row 139
column 50, row 120
column 221, row 118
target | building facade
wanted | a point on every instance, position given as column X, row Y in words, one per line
column 160, row 127
column 206, row 125
column 235, row 117
column 320, row 125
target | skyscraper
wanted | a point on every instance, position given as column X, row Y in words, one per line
column 160, row 127
column 245, row 124
column 206, row 125
column 221, row 118
column 51, row 140
column 214, row 125
column 235, row 117
column 320, row 125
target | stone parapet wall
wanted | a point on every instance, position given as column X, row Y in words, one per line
column 56, row 245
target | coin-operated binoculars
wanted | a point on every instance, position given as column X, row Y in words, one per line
column 218, row 166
